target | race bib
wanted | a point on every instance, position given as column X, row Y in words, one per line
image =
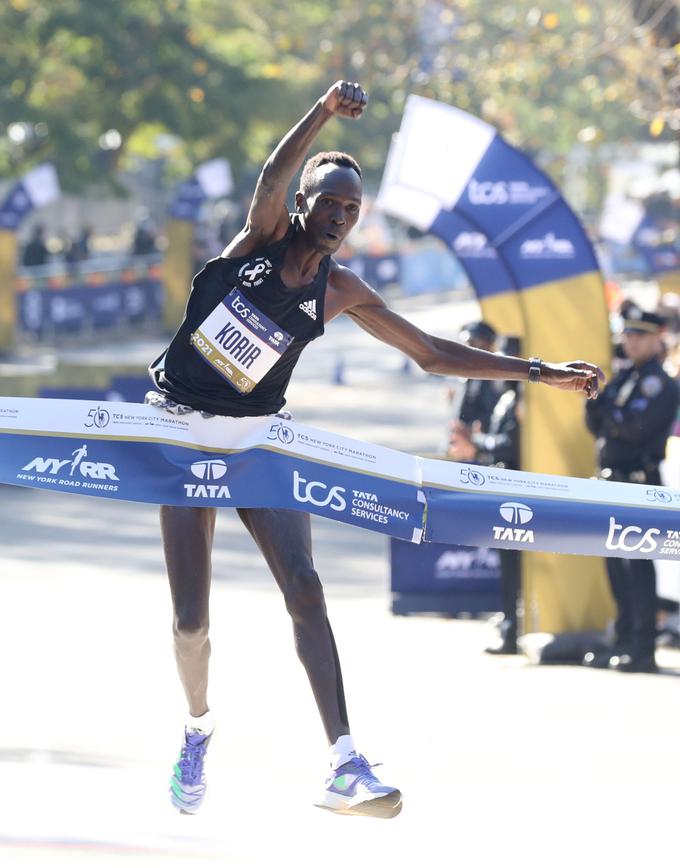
column 240, row 342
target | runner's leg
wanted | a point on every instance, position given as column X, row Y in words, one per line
column 187, row 542
column 284, row 538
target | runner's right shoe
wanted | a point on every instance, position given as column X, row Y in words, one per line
column 187, row 784
column 354, row 789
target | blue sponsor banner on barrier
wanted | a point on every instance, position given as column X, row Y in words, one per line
column 77, row 307
column 444, row 578
column 139, row 453
column 443, row 567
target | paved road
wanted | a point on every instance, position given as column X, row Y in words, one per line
column 501, row 763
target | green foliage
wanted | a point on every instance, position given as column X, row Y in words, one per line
column 192, row 79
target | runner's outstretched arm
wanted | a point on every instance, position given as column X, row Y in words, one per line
column 439, row 356
column 268, row 216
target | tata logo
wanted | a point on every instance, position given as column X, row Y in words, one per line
column 76, row 464
column 253, row 273
column 318, row 494
column 213, row 468
column 631, row 538
column 515, row 514
column 209, row 470
column 239, row 307
column 548, row 247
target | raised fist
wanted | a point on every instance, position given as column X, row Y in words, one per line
column 346, row 99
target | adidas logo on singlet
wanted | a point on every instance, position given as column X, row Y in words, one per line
column 309, row 307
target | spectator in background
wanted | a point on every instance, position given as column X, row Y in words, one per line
column 36, row 252
column 632, row 419
column 479, row 396
column 498, row 446
column 144, row 242
column 80, row 249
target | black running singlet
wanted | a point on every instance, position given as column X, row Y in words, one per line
column 242, row 334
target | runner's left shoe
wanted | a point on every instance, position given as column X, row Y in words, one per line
column 187, row 784
column 354, row 789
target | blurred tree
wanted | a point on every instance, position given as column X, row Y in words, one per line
column 102, row 80
column 657, row 40
column 95, row 85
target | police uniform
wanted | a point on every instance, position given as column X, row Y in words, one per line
column 632, row 419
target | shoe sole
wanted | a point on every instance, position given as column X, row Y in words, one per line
column 384, row 808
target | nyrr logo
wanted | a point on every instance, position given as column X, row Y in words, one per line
column 473, row 245
column 254, row 272
column 515, row 514
column 631, row 538
column 548, row 247
column 210, row 469
column 304, row 492
column 77, row 462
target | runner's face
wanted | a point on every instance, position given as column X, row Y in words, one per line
column 331, row 209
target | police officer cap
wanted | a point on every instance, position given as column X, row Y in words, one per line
column 480, row 330
column 637, row 320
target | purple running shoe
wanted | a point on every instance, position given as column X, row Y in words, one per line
column 187, row 784
column 354, row 789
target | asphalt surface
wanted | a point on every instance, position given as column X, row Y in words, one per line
column 500, row 762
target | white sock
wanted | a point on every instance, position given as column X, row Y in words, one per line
column 342, row 751
column 204, row 723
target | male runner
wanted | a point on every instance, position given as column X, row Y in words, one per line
column 281, row 266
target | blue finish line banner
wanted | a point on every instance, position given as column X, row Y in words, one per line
column 139, row 453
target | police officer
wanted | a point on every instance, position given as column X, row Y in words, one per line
column 497, row 446
column 632, row 419
column 479, row 396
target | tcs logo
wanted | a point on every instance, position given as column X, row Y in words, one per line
column 239, row 307
column 318, row 494
column 631, row 539
column 488, row 192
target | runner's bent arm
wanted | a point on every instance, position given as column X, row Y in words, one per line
column 268, row 216
column 440, row 356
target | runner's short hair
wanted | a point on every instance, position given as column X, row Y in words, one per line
column 337, row 158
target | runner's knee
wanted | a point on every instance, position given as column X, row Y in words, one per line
column 190, row 628
column 304, row 595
